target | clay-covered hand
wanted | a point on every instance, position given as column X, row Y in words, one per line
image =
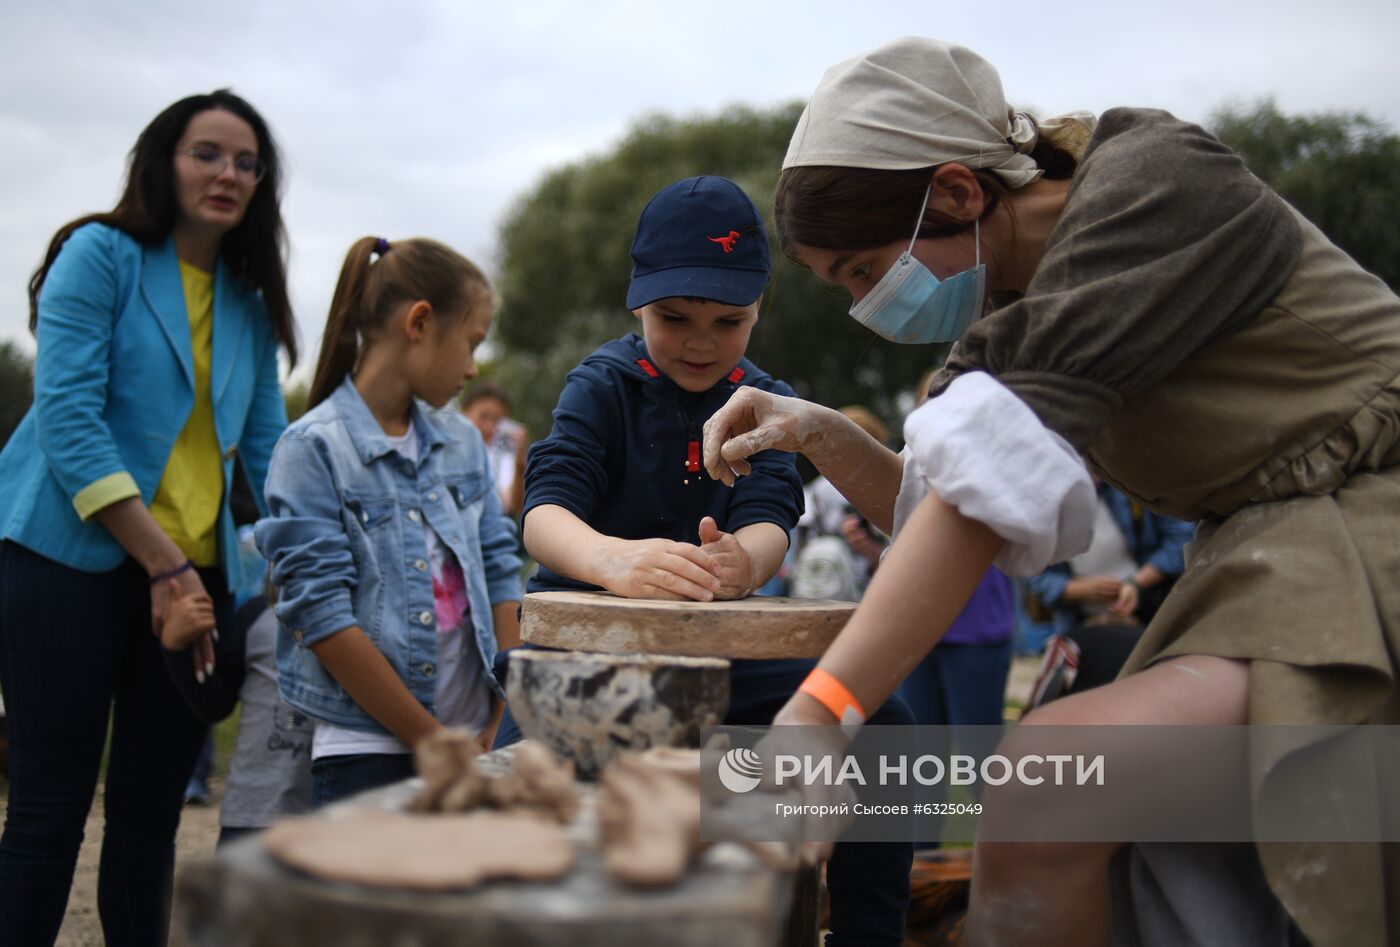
column 752, row 421
column 735, row 567
column 657, row 568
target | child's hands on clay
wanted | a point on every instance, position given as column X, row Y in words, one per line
column 188, row 617
column 657, row 568
column 735, row 566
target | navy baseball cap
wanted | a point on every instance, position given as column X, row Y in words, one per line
column 700, row 237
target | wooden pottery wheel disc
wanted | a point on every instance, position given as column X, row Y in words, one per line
column 755, row 627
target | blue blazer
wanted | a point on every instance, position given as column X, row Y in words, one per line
column 114, row 385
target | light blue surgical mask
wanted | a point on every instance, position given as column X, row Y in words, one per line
column 912, row 306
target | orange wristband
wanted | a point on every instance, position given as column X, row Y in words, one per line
column 834, row 696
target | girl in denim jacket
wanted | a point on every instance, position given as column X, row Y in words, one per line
column 395, row 567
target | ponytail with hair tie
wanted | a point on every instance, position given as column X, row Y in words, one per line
column 370, row 289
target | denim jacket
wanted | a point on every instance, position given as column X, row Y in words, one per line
column 343, row 536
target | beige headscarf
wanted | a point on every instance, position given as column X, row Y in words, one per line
column 916, row 102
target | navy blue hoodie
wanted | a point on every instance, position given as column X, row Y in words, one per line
column 624, row 456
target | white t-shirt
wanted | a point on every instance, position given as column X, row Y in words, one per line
column 1108, row 552
column 463, row 695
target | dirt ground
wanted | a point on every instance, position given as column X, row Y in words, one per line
column 199, row 830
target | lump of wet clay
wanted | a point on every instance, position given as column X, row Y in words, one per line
column 538, row 781
column 621, row 825
column 422, row 852
column 451, row 782
column 650, row 822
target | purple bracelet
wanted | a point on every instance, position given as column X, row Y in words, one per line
column 185, row 566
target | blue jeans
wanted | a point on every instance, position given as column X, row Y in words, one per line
column 75, row 646
column 334, row 778
column 959, row 685
column 868, row 881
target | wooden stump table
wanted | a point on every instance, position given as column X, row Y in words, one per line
column 241, row 897
column 752, row 628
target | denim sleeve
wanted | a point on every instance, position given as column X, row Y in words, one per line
column 267, row 417
column 569, row 467
column 1049, row 586
column 1169, row 556
column 74, row 335
column 304, row 540
column 772, row 491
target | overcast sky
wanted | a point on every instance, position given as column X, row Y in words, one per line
column 430, row 117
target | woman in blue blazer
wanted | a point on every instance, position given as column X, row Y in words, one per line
column 158, row 325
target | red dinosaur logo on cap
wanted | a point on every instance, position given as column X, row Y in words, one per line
column 726, row 242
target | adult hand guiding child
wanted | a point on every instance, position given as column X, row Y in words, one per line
column 1165, row 304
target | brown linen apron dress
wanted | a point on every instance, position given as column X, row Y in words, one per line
column 1273, row 419
column 1294, row 471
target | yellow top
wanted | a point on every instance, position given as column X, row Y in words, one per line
column 191, row 490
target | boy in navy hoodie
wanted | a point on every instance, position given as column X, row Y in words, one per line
column 616, row 496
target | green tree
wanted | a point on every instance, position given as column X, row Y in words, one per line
column 16, row 388
column 1340, row 169
column 565, row 264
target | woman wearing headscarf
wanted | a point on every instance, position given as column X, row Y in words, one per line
column 1164, row 318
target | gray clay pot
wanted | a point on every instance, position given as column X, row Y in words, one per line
column 589, row 707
